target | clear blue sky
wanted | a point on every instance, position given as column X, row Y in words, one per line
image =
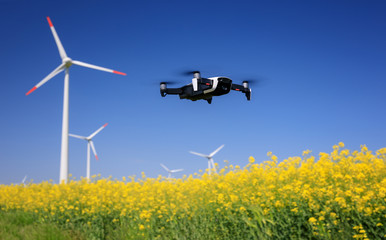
column 323, row 66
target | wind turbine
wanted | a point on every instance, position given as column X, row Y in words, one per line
column 171, row 171
column 89, row 144
column 25, row 178
column 65, row 66
column 210, row 158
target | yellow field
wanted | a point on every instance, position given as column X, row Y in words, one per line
column 341, row 195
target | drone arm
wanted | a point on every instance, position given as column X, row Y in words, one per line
column 240, row 88
column 174, row 91
column 243, row 89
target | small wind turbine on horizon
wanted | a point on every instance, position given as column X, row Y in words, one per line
column 25, row 178
column 210, row 158
column 65, row 66
column 90, row 143
column 171, row 171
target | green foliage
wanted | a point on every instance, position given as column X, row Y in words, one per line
column 24, row 226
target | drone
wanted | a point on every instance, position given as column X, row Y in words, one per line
column 205, row 88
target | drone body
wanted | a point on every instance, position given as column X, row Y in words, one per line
column 206, row 88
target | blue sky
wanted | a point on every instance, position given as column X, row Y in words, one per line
column 322, row 66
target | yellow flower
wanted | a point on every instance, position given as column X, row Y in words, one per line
column 312, row 220
column 306, row 152
column 295, row 210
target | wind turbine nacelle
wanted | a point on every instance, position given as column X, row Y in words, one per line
column 67, row 61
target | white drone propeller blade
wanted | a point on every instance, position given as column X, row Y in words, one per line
column 77, row 136
column 199, row 154
column 215, row 151
column 87, row 65
column 49, row 76
column 93, row 149
column 57, row 40
column 176, row 170
column 167, row 169
column 97, row 131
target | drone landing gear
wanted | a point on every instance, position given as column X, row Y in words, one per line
column 248, row 95
column 209, row 100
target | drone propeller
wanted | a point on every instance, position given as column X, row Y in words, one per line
column 189, row 73
column 169, row 82
column 158, row 83
column 252, row 82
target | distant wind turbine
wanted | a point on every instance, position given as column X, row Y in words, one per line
column 210, row 158
column 65, row 66
column 89, row 144
column 25, row 178
column 171, row 171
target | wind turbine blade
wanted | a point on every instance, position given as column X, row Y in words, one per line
column 49, row 76
column 57, row 40
column 167, row 169
column 97, row 131
column 199, row 154
column 87, row 65
column 77, row 136
column 215, row 151
column 93, row 150
column 176, row 170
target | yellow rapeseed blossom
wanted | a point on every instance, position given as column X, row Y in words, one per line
column 321, row 191
column 312, row 220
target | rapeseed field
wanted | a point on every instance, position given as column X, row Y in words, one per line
column 337, row 195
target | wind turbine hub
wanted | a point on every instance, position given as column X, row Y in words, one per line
column 67, row 61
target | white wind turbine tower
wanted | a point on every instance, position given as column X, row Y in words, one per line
column 171, row 171
column 90, row 143
column 65, row 66
column 210, row 158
